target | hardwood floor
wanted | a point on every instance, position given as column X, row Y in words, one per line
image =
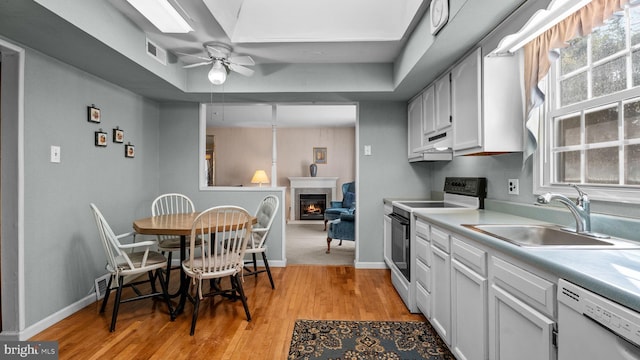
column 144, row 331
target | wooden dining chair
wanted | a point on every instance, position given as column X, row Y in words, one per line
column 265, row 214
column 123, row 261
column 225, row 231
column 171, row 203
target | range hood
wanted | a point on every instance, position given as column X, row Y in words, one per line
column 439, row 148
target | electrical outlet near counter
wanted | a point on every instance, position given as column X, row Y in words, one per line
column 514, row 187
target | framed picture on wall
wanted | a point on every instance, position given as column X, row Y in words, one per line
column 101, row 138
column 118, row 135
column 129, row 151
column 320, row 155
column 93, row 114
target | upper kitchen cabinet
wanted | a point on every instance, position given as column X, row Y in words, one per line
column 436, row 104
column 486, row 105
column 415, row 135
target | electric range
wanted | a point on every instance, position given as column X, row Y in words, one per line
column 460, row 194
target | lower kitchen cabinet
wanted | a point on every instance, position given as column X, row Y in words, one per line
column 440, row 288
column 521, row 306
column 468, row 311
column 516, row 330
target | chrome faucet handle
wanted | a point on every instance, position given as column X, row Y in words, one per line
column 581, row 194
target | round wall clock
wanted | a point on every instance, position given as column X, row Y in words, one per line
column 439, row 11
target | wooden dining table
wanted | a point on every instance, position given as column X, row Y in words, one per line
column 179, row 225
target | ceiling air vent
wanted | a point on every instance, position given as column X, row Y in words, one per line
column 156, row 52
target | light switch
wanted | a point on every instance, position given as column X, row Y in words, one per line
column 55, row 154
column 367, row 150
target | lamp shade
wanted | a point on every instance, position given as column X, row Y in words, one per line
column 217, row 74
column 260, row 177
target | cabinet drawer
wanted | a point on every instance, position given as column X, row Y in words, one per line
column 422, row 229
column 422, row 250
column 471, row 256
column 440, row 239
column 528, row 287
column 423, row 300
column 423, row 275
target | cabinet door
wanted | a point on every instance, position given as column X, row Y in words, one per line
column 468, row 313
column 466, row 102
column 516, row 330
column 443, row 103
column 415, row 134
column 441, row 293
column 429, row 111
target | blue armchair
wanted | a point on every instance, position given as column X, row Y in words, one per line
column 342, row 229
column 347, row 204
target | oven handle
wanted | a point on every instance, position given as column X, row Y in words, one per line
column 401, row 219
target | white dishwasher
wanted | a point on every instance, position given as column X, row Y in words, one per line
column 592, row 327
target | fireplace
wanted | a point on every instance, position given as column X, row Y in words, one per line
column 310, row 185
column 312, row 206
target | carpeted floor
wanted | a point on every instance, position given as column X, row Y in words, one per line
column 307, row 243
column 333, row 339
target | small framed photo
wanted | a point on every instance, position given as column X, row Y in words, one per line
column 93, row 114
column 118, row 135
column 320, row 155
column 101, row 138
column 129, row 151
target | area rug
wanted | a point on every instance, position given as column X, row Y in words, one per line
column 334, row 339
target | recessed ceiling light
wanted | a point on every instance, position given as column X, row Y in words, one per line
column 162, row 15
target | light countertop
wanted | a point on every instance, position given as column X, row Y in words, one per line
column 614, row 274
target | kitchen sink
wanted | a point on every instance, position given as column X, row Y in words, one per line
column 551, row 236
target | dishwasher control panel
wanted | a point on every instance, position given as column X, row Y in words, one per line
column 615, row 317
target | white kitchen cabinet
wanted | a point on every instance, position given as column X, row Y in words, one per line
column 436, row 105
column 415, row 131
column 423, row 268
column 441, row 284
column 443, row 103
column 469, row 312
column 486, row 105
column 517, row 329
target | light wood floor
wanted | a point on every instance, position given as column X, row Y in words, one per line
column 144, row 331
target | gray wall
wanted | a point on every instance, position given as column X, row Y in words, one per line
column 63, row 255
column 385, row 174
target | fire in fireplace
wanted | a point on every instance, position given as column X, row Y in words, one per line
column 312, row 206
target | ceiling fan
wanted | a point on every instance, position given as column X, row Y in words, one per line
column 222, row 61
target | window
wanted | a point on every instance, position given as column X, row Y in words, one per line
column 591, row 132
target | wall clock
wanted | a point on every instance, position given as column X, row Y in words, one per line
column 439, row 12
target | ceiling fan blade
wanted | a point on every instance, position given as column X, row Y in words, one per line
column 195, row 56
column 242, row 60
column 197, row 64
column 240, row 69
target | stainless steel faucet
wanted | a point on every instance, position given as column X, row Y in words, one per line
column 580, row 209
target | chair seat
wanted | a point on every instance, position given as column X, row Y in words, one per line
column 173, row 244
column 198, row 263
column 155, row 260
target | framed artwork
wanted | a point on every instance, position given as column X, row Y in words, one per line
column 129, row 151
column 118, row 135
column 93, row 114
column 101, row 138
column 320, row 155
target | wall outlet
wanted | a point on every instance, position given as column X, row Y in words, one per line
column 514, row 187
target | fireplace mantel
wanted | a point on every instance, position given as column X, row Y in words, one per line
column 309, row 183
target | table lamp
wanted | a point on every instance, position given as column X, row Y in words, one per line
column 259, row 177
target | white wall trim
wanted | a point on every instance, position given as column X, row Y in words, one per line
column 56, row 317
column 371, row 265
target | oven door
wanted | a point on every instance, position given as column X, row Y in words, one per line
column 400, row 243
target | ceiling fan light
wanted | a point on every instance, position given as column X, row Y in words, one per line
column 217, row 74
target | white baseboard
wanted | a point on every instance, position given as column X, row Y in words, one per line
column 371, row 265
column 50, row 320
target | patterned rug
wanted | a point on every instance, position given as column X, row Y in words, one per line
column 387, row 340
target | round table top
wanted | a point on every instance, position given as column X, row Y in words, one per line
column 170, row 224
